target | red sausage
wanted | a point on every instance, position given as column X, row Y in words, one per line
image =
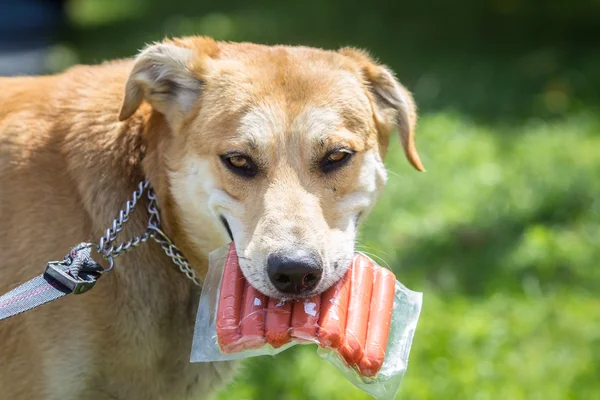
column 230, row 302
column 305, row 318
column 353, row 346
column 253, row 318
column 279, row 317
column 334, row 308
column 380, row 318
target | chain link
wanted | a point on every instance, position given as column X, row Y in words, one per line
column 109, row 251
column 165, row 243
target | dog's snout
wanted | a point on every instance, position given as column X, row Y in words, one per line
column 295, row 272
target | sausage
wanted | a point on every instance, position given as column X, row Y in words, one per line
column 353, row 346
column 334, row 309
column 230, row 302
column 279, row 317
column 253, row 318
column 305, row 318
column 380, row 318
column 353, row 316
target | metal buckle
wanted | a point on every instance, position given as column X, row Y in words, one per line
column 78, row 285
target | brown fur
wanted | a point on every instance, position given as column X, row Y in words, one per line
column 67, row 166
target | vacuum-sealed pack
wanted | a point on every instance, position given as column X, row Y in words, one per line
column 364, row 324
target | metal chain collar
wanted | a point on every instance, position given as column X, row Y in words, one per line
column 107, row 248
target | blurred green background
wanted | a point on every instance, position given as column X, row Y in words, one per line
column 502, row 233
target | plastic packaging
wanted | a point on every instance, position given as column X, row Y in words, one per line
column 232, row 326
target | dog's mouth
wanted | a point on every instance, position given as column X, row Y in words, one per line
column 331, row 275
column 227, row 227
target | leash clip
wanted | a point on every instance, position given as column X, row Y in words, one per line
column 77, row 272
column 79, row 285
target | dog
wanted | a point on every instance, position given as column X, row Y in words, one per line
column 278, row 148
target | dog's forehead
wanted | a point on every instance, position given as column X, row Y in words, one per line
column 271, row 123
column 285, row 75
column 281, row 96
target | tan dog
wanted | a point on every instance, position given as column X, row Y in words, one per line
column 282, row 146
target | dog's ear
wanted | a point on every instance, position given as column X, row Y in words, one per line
column 166, row 75
column 394, row 105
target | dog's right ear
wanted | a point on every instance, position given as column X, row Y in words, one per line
column 167, row 76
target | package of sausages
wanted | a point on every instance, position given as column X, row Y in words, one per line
column 364, row 324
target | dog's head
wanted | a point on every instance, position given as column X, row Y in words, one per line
column 279, row 147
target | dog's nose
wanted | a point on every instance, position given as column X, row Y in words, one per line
column 294, row 272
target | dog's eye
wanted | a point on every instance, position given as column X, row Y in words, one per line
column 240, row 164
column 337, row 156
column 335, row 159
column 238, row 161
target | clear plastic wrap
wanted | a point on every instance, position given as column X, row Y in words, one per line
column 250, row 325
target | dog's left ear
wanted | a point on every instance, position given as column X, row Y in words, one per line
column 166, row 76
column 394, row 105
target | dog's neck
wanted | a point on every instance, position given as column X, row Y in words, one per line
column 156, row 136
column 109, row 168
